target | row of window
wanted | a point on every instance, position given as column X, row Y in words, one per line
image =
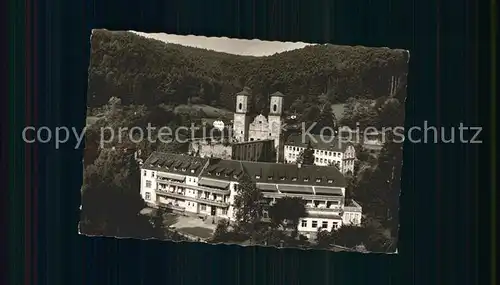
column 316, row 151
column 175, row 168
column 321, row 160
column 306, row 179
column 314, row 224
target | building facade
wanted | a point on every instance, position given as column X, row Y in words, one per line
column 327, row 151
column 246, row 129
column 207, row 187
column 262, row 150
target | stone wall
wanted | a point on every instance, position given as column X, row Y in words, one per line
column 211, row 149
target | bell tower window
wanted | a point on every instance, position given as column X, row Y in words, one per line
column 275, row 108
column 240, row 106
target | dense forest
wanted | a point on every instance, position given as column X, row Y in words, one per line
column 144, row 71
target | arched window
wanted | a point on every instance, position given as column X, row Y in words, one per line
column 240, row 106
column 275, row 108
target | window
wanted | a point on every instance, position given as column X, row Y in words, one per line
column 145, row 172
column 184, row 169
column 282, row 178
column 240, row 106
column 148, row 184
column 314, row 224
column 275, row 107
column 192, row 170
column 269, row 178
column 257, row 176
column 217, row 174
column 294, row 178
column 152, row 174
column 318, row 180
column 304, row 224
column 324, row 224
column 306, row 179
column 147, row 196
column 203, row 207
column 335, row 225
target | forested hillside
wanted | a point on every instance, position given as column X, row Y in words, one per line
column 145, row 71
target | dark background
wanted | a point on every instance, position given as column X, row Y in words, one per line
column 444, row 186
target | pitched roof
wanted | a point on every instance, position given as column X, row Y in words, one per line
column 246, row 91
column 318, row 142
column 222, row 169
column 310, row 175
column 329, row 177
column 174, row 163
column 277, row 94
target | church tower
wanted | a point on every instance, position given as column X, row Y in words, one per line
column 274, row 119
column 241, row 120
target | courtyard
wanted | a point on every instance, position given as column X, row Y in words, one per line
column 190, row 225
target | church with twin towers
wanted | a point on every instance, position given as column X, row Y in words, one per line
column 259, row 128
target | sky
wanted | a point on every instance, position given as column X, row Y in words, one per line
column 223, row 44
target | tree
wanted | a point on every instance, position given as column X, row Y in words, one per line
column 111, row 203
column 349, row 236
column 158, row 72
column 391, row 114
column 157, row 222
column 247, row 204
column 359, row 113
column 221, row 231
column 324, row 239
column 306, row 157
column 287, row 211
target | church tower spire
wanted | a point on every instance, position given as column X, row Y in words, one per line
column 275, row 120
column 241, row 120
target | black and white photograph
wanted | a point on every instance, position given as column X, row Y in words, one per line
column 245, row 142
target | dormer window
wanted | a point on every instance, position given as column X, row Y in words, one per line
column 330, row 181
column 209, row 173
column 183, row 169
column 294, row 178
column 235, row 176
column 217, row 173
column 192, row 170
column 306, row 179
column 269, row 178
column 318, row 180
column 282, row 178
column 257, row 176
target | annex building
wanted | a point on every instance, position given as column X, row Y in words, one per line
column 207, row 187
column 328, row 151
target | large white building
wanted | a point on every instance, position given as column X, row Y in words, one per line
column 327, row 151
column 207, row 187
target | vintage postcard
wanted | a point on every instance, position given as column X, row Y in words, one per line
column 247, row 142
